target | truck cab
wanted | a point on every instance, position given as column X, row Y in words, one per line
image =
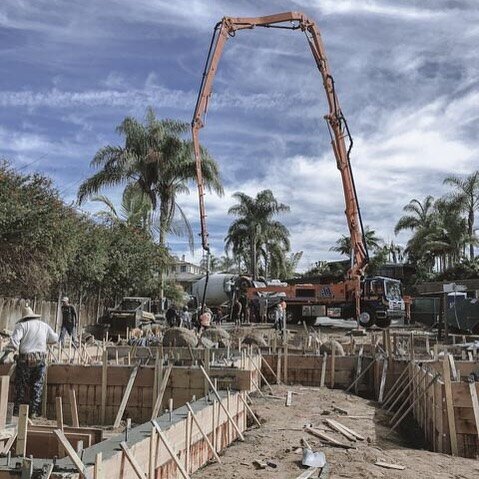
column 381, row 301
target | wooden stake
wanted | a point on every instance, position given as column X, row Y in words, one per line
column 359, row 366
column 289, row 398
column 126, row 396
column 98, row 468
column 475, row 404
column 104, row 380
column 170, row 450
column 450, row 405
column 161, row 393
column 59, row 412
column 323, row 369
column 278, row 366
column 333, row 364
column 152, row 455
column 221, row 403
column 205, row 436
column 73, row 408
column 133, row 462
column 383, row 381
column 4, row 387
column 22, row 431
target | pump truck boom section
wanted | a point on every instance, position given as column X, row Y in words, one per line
column 336, row 122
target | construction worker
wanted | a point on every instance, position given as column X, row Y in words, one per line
column 69, row 321
column 30, row 338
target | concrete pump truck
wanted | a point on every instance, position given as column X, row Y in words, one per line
column 370, row 301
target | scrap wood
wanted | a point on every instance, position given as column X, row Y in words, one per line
column 336, row 427
column 340, row 410
column 389, row 466
column 259, row 465
column 347, row 429
column 324, row 437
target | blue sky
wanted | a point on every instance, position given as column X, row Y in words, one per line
column 406, row 74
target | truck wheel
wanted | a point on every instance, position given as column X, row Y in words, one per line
column 367, row 318
column 383, row 323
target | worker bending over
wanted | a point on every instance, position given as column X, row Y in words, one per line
column 30, row 338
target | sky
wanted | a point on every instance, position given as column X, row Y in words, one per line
column 406, row 74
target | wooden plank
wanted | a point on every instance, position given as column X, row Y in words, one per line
column 325, row 437
column 323, row 370
column 333, row 364
column 359, row 366
column 98, row 467
column 475, row 404
column 349, row 430
column 22, row 431
column 104, row 381
column 334, row 426
column 4, row 387
column 387, row 465
column 205, row 436
column 59, row 412
column 450, row 406
column 73, row 408
column 9, row 443
column 383, row 380
column 161, row 393
column 70, row 451
column 133, row 462
column 126, row 396
column 452, row 365
column 170, row 450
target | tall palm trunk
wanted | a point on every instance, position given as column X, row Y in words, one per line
column 470, row 231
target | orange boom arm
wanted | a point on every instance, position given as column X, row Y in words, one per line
column 336, row 123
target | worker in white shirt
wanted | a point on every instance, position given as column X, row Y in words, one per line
column 30, row 338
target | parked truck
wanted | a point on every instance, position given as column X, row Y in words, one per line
column 132, row 312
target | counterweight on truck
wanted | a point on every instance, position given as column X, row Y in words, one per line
column 351, row 288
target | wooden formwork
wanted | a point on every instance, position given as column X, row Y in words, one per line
column 448, row 412
column 148, row 450
column 89, row 381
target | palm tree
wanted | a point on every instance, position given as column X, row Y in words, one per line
column 255, row 230
column 343, row 244
column 420, row 220
column 466, row 195
column 420, row 215
column 135, row 210
column 159, row 161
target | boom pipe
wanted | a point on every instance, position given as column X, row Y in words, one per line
column 336, row 121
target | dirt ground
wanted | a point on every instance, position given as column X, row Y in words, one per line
column 279, row 437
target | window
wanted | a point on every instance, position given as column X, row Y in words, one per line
column 183, row 269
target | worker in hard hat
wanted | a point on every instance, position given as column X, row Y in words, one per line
column 69, row 321
column 30, row 339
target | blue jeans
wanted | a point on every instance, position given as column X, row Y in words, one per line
column 68, row 329
column 29, row 377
